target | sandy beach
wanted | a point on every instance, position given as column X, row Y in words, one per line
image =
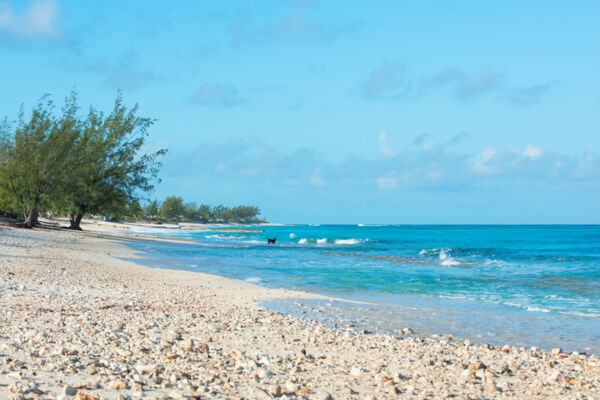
column 79, row 322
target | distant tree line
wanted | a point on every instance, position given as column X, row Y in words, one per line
column 66, row 164
column 173, row 208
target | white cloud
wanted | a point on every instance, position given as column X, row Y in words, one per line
column 438, row 170
column 38, row 20
column 387, row 183
column 316, row 179
column 217, row 95
column 481, row 161
column 533, row 152
column 385, row 149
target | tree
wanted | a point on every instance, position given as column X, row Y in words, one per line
column 220, row 212
column 244, row 213
column 106, row 173
column 151, row 209
column 190, row 211
column 33, row 160
column 172, row 207
column 205, row 213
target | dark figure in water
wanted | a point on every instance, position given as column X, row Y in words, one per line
column 271, row 241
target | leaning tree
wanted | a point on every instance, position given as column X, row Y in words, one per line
column 107, row 170
column 33, row 160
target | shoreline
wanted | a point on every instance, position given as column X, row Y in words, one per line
column 79, row 315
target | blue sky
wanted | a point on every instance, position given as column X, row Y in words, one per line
column 338, row 111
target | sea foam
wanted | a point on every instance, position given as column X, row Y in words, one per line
column 346, row 241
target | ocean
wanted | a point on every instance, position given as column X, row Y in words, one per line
column 518, row 285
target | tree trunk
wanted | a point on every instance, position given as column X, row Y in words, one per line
column 31, row 219
column 76, row 221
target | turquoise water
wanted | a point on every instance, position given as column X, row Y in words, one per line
column 474, row 281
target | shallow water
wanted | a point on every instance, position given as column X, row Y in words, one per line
column 515, row 284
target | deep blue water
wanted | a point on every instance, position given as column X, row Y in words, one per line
column 540, row 281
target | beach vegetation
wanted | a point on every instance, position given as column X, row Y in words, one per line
column 74, row 165
column 34, row 159
column 68, row 164
column 172, row 208
column 150, row 210
column 109, row 171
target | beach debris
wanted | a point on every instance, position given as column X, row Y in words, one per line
column 556, row 351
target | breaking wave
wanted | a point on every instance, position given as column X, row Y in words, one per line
column 338, row 242
column 443, row 256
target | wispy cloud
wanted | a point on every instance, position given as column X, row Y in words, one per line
column 533, row 152
column 217, row 95
column 387, row 81
column 467, row 85
column 392, row 80
column 40, row 19
column 128, row 74
column 432, row 168
column 385, row 149
column 294, row 26
column 458, row 138
column 528, row 95
column 386, row 183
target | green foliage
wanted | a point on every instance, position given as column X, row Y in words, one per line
column 172, row 208
column 33, row 162
column 190, row 211
column 72, row 165
column 108, row 175
column 75, row 165
column 151, row 209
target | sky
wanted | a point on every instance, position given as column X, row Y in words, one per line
column 396, row 112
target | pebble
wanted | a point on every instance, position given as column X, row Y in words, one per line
column 322, row 396
column 259, row 394
column 490, row 387
column 291, row 387
column 275, row 390
column 188, row 345
column 555, row 376
column 203, row 348
column 91, row 370
column 69, row 390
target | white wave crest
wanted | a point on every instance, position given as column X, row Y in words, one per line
column 347, row 241
column 322, row 241
column 537, row 309
column 447, row 260
column 292, row 236
column 450, row 262
column 254, row 279
column 224, row 237
column 302, row 241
